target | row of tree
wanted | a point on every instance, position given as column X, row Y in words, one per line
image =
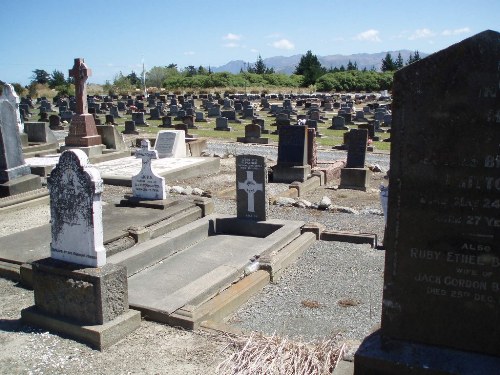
column 308, row 73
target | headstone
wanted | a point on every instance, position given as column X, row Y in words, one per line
column 356, row 152
column 130, row 128
column 76, row 211
column 154, row 113
column 441, row 301
column 15, row 174
column 251, row 180
column 230, row 115
column 9, row 95
column 170, row 144
column 138, row 118
column 214, row 111
column 221, row 123
column 292, row 154
column 82, row 130
column 147, row 184
column 114, row 112
column 76, row 293
column 166, row 122
column 338, row 123
column 312, row 148
column 110, row 120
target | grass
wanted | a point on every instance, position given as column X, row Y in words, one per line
column 206, row 129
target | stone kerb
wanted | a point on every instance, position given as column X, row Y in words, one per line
column 76, row 211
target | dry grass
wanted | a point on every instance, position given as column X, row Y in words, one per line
column 348, row 302
column 311, row 304
column 259, row 354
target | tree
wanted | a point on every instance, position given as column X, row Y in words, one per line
column 388, row 64
column 352, row 66
column 134, row 79
column 57, row 79
column 399, row 62
column 202, row 71
column 157, row 74
column 414, row 57
column 310, row 68
column 40, row 76
column 260, row 67
column 190, row 71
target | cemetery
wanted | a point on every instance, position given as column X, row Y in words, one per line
column 347, row 219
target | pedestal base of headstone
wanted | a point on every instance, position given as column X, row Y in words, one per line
column 379, row 355
column 87, row 304
column 82, row 131
column 291, row 174
column 354, row 178
column 89, row 151
column 20, row 185
column 228, row 129
column 252, row 140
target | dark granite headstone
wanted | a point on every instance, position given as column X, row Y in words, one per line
column 356, row 151
column 292, row 145
column 442, row 282
column 251, row 179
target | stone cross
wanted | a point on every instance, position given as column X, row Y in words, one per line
column 250, row 186
column 146, row 153
column 80, row 73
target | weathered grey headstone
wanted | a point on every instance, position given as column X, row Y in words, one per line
column 9, row 94
column 15, row 174
column 170, row 144
column 147, row 184
column 76, row 211
column 441, row 302
column 251, row 179
column 221, row 123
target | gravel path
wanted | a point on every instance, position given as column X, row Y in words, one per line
column 333, row 288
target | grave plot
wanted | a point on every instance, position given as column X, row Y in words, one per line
column 184, row 277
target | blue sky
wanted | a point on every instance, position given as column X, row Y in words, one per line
column 116, row 36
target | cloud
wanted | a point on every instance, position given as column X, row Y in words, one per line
column 231, row 36
column 421, row 33
column 368, row 36
column 283, row 44
column 189, row 53
column 231, row 45
column 254, row 50
column 463, row 30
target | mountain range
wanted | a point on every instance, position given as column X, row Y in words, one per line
column 287, row 64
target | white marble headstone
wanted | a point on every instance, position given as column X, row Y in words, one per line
column 9, row 94
column 171, row 144
column 76, row 211
column 147, row 184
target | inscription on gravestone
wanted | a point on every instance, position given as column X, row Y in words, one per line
column 251, row 179
column 147, row 184
column 171, row 144
column 76, row 211
column 442, row 275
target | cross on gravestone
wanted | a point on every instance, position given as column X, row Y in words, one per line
column 76, row 211
column 251, row 178
column 147, row 184
column 80, row 73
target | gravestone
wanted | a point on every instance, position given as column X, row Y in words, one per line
column 147, row 185
column 76, row 213
column 221, row 123
column 76, row 292
column 338, row 123
column 15, row 174
column 292, row 155
column 441, row 301
column 170, row 144
column 82, row 130
column 138, row 118
column 253, row 135
column 251, row 180
column 312, row 148
column 113, row 111
column 9, row 94
column 166, row 122
column 355, row 175
column 262, row 124
column 55, row 122
column 214, row 111
column 154, row 113
column 130, row 128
